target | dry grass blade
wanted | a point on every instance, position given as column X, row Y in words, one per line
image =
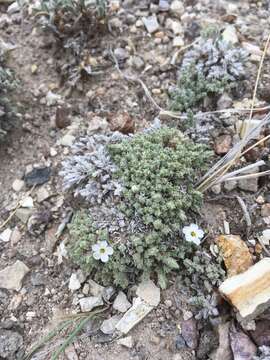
column 224, row 164
column 75, row 322
column 249, row 176
column 230, row 159
column 259, row 75
column 245, row 211
column 239, row 171
column 70, row 338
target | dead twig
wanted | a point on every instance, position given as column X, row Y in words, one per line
column 18, row 204
column 263, row 246
column 245, row 212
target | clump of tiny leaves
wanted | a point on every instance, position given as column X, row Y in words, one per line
column 157, row 171
column 75, row 24
column 202, row 273
column 212, row 66
column 7, row 84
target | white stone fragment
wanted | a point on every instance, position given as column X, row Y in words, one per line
column 67, row 140
column 151, row 24
column 89, row 303
column 139, row 310
column 230, row 35
column 17, row 185
column 126, row 342
column 249, row 292
column 108, row 325
column 5, row 236
column 74, row 283
column 265, row 238
column 27, row 202
column 149, row 292
column 121, row 302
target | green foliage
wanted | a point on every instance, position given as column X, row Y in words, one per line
column 158, row 171
column 212, row 66
column 202, row 271
column 193, row 87
column 202, row 274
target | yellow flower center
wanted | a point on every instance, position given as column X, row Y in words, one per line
column 193, row 234
column 102, row 250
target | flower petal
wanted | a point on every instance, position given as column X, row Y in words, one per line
column 104, row 257
column 200, row 233
column 103, row 244
column 194, row 227
column 95, row 247
column 189, row 238
column 97, row 255
column 197, row 241
column 109, row 250
column 186, row 230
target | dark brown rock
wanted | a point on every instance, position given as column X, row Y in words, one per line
column 122, row 122
column 61, row 117
column 223, row 144
column 261, row 335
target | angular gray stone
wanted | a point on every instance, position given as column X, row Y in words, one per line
column 10, row 342
column 108, row 326
column 11, row 276
column 17, row 185
column 94, row 288
column 13, row 8
column 24, row 214
column 6, row 235
column 126, row 342
column 224, row 102
column 74, row 283
column 89, row 303
column 177, row 8
column 121, row 302
column 164, row 5
column 67, row 140
column 149, row 292
column 248, row 184
column 151, row 24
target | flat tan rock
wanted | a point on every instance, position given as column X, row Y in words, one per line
column 249, row 292
column 235, row 253
column 11, row 277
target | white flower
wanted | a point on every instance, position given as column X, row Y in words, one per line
column 193, row 233
column 102, row 251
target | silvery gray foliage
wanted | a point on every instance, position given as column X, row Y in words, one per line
column 107, row 216
column 264, row 353
column 88, row 171
column 207, row 304
column 216, row 59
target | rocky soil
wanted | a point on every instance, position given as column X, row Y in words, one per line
column 38, row 283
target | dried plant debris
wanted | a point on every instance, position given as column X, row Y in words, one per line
column 212, row 66
column 75, row 24
column 7, row 84
column 125, row 180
